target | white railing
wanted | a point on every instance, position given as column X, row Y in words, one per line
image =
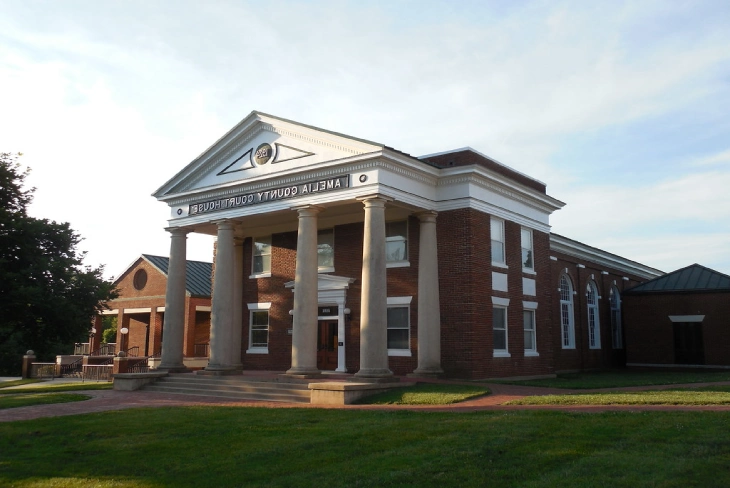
column 81, row 348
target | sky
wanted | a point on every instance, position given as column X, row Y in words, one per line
column 621, row 108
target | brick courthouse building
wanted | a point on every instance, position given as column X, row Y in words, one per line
column 336, row 253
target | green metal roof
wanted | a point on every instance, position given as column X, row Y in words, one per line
column 197, row 274
column 694, row 278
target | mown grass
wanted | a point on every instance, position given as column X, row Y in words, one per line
column 426, row 394
column 8, row 384
column 48, row 387
column 699, row 396
column 624, row 378
column 29, row 399
column 222, row 446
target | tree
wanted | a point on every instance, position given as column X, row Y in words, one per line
column 47, row 296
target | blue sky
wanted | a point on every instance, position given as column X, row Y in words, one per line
column 620, row 107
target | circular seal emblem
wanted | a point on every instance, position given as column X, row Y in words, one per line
column 363, row 178
column 263, row 154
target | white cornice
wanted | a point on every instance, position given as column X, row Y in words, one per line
column 582, row 251
column 492, row 181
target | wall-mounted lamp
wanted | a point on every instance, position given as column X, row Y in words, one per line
column 124, row 332
column 348, row 315
column 93, row 332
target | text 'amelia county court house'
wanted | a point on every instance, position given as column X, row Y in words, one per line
column 342, row 254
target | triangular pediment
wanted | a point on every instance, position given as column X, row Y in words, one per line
column 263, row 145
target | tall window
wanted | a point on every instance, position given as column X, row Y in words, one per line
column 527, row 259
column 399, row 326
column 528, row 317
column 567, row 328
column 594, row 326
column 326, row 249
column 258, row 330
column 499, row 326
column 616, row 333
column 497, row 231
column 262, row 255
column 396, row 241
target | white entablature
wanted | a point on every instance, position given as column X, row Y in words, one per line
column 267, row 164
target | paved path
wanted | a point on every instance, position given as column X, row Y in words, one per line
column 106, row 400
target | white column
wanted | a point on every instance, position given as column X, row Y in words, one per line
column 174, row 322
column 304, row 333
column 221, row 317
column 373, row 312
column 429, row 318
column 341, row 337
column 237, row 329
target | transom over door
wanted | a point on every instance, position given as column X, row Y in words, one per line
column 327, row 345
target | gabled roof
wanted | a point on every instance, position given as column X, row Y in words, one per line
column 694, row 278
column 197, row 274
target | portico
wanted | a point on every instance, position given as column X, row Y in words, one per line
column 270, row 179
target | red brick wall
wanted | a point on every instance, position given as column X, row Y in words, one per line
column 650, row 335
column 152, row 296
column 583, row 357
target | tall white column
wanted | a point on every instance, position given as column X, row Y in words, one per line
column 174, row 322
column 304, row 333
column 374, row 298
column 237, row 329
column 429, row 317
column 221, row 317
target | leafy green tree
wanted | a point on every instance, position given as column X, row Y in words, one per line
column 109, row 326
column 47, row 296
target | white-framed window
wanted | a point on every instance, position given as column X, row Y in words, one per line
column 326, row 250
column 529, row 309
column 261, row 266
column 499, row 327
column 497, row 233
column 567, row 324
column 594, row 324
column 528, row 263
column 396, row 243
column 258, row 328
column 399, row 326
column 617, row 336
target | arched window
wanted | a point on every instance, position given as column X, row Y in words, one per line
column 594, row 326
column 617, row 335
column 566, row 313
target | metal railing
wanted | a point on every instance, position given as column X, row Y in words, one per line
column 202, row 350
column 81, row 348
column 43, row 370
column 140, row 366
column 97, row 372
column 132, row 352
column 72, row 369
column 109, row 349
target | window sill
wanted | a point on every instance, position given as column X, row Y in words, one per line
column 397, row 264
column 529, row 271
column 258, row 350
column 502, row 354
column 594, row 348
column 399, row 352
column 260, row 275
column 496, row 264
column 330, row 269
column 568, row 347
column 532, row 354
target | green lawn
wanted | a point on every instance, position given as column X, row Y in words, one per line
column 49, row 387
column 622, row 378
column 28, row 399
column 222, row 446
column 426, row 394
column 711, row 395
column 8, row 384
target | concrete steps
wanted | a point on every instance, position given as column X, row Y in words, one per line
column 232, row 387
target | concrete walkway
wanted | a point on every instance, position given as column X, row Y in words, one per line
column 106, row 400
